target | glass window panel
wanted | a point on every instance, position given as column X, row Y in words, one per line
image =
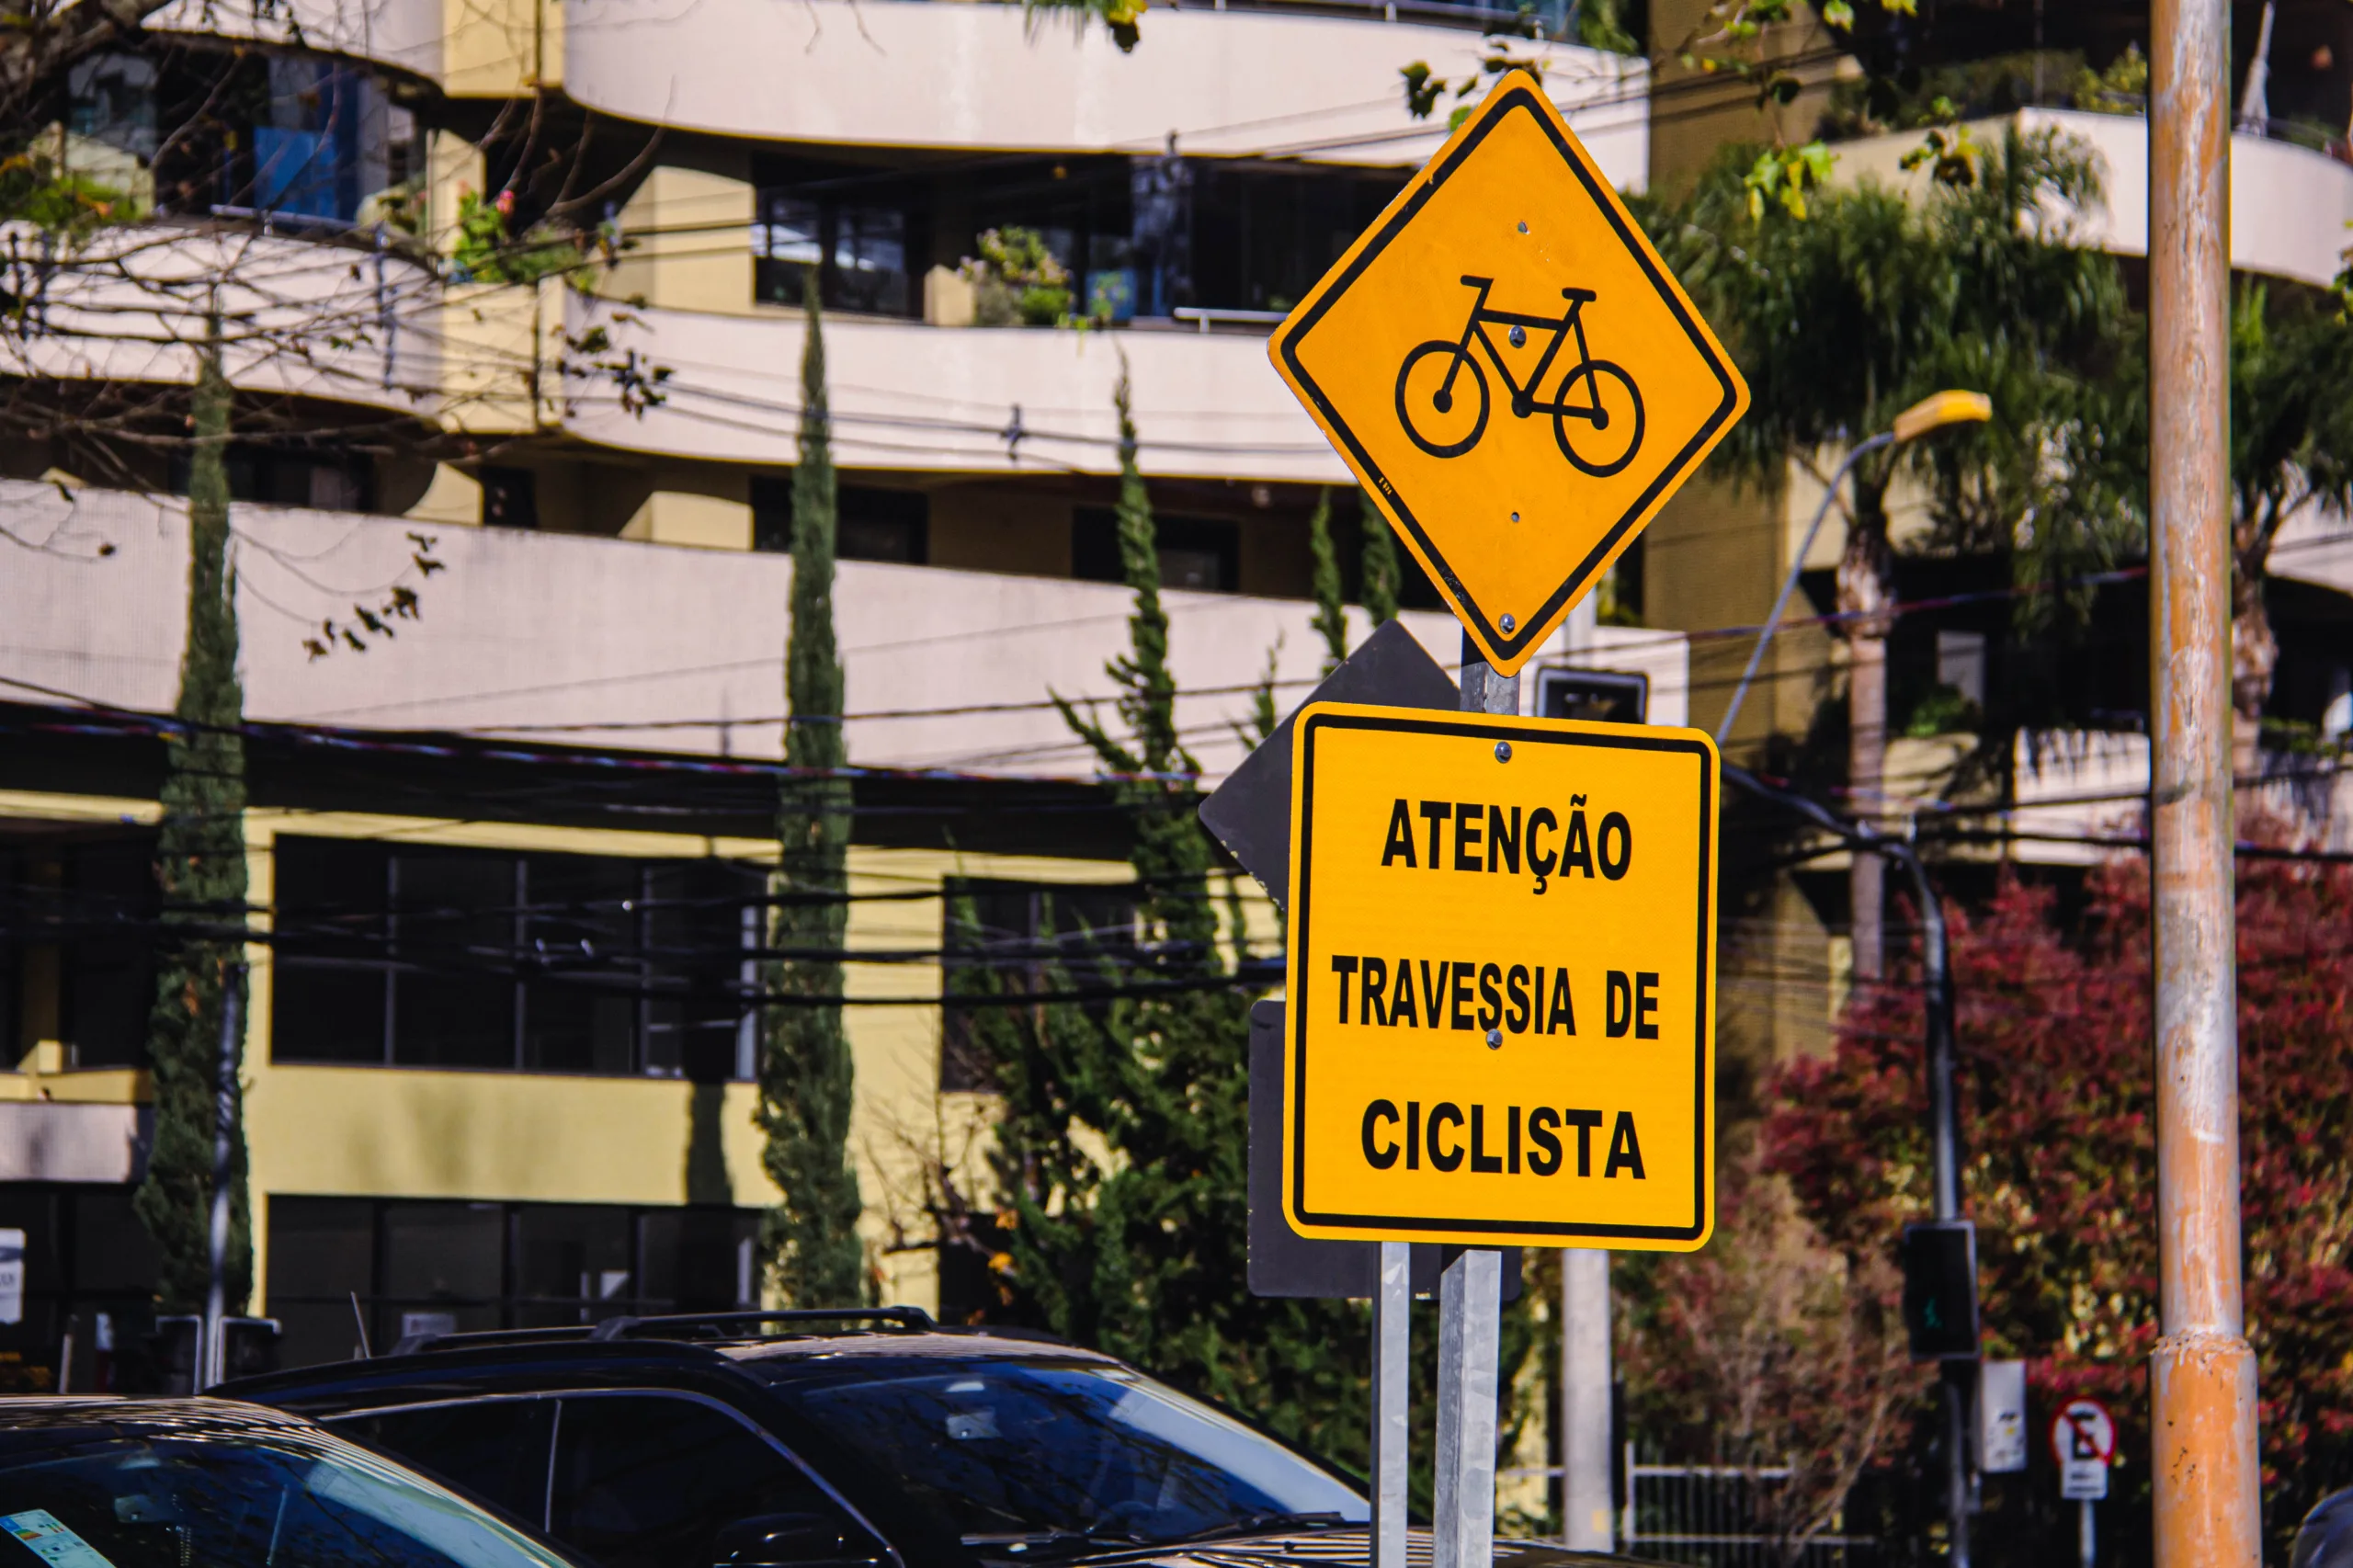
column 495, row 1449
column 110, row 966
column 454, row 1020
column 1023, row 1447
column 697, row 1260
column 330, row 897
column 454, row 1004
column 290, row 1501
column 320, row 1247
column 331, row 1013
column 870, row 260
column 456, row 906
column 646, row 1481
column 112, row 1249
column 437, row 1253
column 575, row 1259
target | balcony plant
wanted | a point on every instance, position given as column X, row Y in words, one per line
column 1017, row 280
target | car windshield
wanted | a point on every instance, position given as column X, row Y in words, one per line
column 238, row 1499
column 1021, row 1453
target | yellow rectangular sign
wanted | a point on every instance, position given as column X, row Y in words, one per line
column 1502, row 981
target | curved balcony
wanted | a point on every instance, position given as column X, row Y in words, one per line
column 300, row 317
column 557, row 636
column 406, row 35
column 911, row 73
column 974, row 399
column 2290, row 205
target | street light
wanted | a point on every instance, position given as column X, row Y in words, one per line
column 1931, row 413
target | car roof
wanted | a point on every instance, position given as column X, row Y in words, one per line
column 783, row 1353
column 709, row 1343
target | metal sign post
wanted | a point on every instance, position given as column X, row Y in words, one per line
column 1519, row 384
column 1470, row 1313
column 2083, row 1439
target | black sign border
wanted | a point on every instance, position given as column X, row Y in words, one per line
column 1514, row 99
column 1467, row 726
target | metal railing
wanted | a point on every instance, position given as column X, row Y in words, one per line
column 1716, row 1517
column 1206, row 319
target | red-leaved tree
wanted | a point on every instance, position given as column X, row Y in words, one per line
column 2056, row 1096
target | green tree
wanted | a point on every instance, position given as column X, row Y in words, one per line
column 2292, row 452
column 1331, row 603
column 810, row 1239
column 1381, row 578
column 200, row 866
column 2057, row 1119
column 1843, row 317
column 1123, row 1154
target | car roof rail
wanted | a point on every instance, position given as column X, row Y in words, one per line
column 410, row 1344
column 911, row 1319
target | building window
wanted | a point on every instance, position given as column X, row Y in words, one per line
column 1203, row 553
column 78, row 963
column 445, row 1267
column 860, row 249
column 509, row 498
column 870, row 523
column 1016, row 936
column 583, row 964
column 87, row 1261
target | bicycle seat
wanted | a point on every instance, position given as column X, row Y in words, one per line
column 1581, row 296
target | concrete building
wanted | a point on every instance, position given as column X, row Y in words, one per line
column 506, row 862
column 1717, row 553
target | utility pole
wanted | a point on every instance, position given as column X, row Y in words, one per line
column 1588, row 1507
column 211, row 1352
column 1588, row 1510
column 2201, row 1376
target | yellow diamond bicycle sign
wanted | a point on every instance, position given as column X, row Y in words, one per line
column 1511, row 370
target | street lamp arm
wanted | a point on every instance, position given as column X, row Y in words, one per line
column 1790, row 583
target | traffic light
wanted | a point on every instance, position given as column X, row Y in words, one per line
column 1941, row 1289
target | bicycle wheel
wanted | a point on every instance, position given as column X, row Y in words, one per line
column 1420, row 395
column 1611, row 417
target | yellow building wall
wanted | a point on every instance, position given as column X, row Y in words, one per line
column 408, row 1132
column 500, row 49
column 500, row 1136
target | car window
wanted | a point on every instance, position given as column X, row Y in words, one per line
column 495, row 1449
column 215, row 1500
column 1007, row 1448
column 648, row 1480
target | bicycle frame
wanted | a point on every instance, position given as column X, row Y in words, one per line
column 1523, row 398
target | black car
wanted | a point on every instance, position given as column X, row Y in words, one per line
column 169, row 1483
column 871, row 1441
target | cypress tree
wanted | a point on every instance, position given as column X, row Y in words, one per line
column 810, row 1239
column 201, row 867
column 1331, row 606
column 1380, row 564
column 1123, row 1156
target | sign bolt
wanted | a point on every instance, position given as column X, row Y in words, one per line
column 1520, row 337
column 1495, row 1039
column 1515, row 517
column 1503, row 751
column 1523, row 225
column 1510, row 625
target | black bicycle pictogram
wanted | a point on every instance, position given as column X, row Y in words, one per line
column 1611, row 406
